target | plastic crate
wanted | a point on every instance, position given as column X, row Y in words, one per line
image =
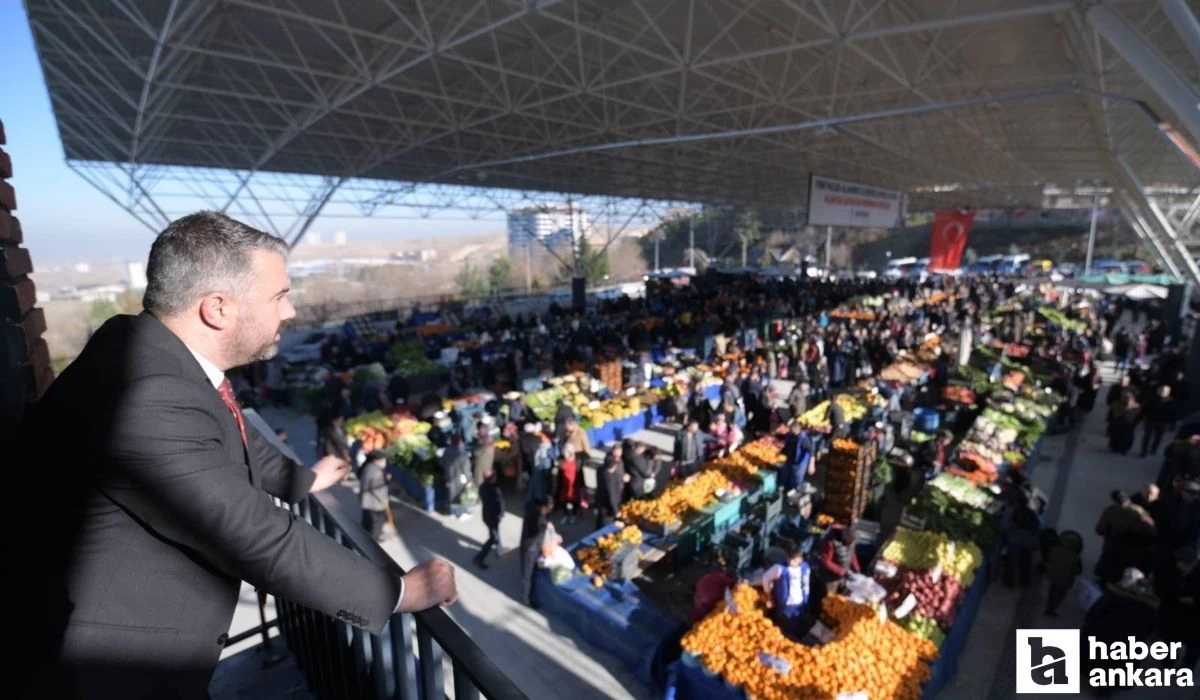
column 926, row 420
column 770, row 481
column 773, row 509
column 659, row 528
column 625, row 562
column 725, row 514
column 738, row 550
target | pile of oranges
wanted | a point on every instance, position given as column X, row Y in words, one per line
column 677, row 500
column 745, row 463
column 866, row 654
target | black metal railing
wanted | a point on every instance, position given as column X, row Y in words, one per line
column 408, row 660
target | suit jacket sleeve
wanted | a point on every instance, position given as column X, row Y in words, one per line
column 171, row 472
column 281, row 477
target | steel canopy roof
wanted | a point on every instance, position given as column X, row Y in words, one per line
column 721, row 101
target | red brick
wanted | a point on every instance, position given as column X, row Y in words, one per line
column 34, row 325
column 17, row 234
column 41, row 372
column 14, row 262
column 3, row 140
column 17, row 298
column 8, row 196
column 5, row 164
column 5, row 226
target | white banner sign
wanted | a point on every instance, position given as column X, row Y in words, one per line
column 838, row 203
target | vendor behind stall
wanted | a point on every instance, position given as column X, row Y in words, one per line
column 787, row 588
column 934, row 453
column 836, row 415
column 709, row 591
column 838, row 557
column 798, row 450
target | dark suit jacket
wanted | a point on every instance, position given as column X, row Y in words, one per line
column 160, row 514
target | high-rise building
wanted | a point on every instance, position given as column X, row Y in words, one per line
column 135, row 275
column 312, row 238
column 550, row 225
column 339, row 238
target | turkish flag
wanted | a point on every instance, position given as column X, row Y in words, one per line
column 950, row 229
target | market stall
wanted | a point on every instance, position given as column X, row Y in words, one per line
column 729, row 509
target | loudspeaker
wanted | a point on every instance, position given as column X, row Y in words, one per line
column 579, row 293
column 1178, row 296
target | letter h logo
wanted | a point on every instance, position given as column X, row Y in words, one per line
column 1048, row 661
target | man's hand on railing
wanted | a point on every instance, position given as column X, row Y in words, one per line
column 330, row 470
column 428, row 584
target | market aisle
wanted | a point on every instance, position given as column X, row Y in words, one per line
column 1078, row 473
column 544, row 657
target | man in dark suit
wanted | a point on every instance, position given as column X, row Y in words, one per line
column 164, row 506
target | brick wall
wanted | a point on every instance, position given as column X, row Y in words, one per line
column 25, row 370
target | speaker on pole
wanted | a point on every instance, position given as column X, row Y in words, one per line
column 579, row 292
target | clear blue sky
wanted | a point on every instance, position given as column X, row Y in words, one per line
column 64, row 218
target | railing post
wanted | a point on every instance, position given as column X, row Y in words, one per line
column 333, row 657
column 431, row 665
column 402, row 651
column 464, row 687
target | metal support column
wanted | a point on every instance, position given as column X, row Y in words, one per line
column 828, row 244
column 692, row 242
column 1144, row 232
column 1149, row 63
column 528, row 266
column 1138, row 196
column 1087, row 265
column 1185, row 24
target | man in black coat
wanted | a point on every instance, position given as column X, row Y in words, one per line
column 611, row 482
column 638, row 468
column 1159, row 415
column 491, row 498
column 164, row 506
column 533, row 530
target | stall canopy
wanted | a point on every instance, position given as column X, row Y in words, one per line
column 1138, row 292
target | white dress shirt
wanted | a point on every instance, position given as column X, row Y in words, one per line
column 214, row 373
column 215, row 377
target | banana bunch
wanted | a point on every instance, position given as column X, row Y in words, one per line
column 922, row 551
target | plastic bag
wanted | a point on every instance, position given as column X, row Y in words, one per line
column 863, row 589
column 559, row 558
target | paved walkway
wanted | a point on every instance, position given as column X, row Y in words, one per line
column 542, row 655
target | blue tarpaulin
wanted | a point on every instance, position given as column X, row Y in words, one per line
column 946, row 665
column 428, row 497
column 687, row 682
column 615, row 430
column 617, row 617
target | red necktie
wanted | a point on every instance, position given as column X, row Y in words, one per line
column 226, row 392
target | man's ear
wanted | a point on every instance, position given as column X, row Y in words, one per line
column 217, row 311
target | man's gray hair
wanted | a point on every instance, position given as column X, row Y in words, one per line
column 198, row 254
